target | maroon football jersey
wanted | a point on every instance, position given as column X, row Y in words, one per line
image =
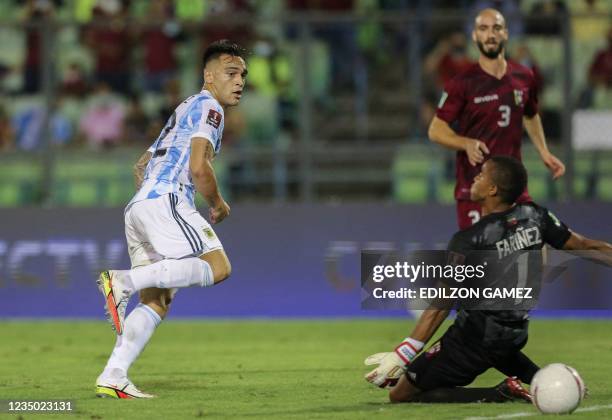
column 489, row 110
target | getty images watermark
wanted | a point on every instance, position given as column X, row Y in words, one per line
column 448, row 273
column 483, row 280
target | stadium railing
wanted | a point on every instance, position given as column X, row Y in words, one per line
column 408, row 174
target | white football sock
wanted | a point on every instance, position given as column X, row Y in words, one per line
column 138, row 329
column 166, row 274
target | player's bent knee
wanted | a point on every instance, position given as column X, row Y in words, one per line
column 159, row 308
column 219, row 264
column 223, row 272
column 395, row 398
column 157, row 299
column 398, row 397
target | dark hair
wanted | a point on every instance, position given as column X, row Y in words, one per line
column 510, row 177
column 222, row 46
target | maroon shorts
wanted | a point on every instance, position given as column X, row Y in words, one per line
column 468, row 212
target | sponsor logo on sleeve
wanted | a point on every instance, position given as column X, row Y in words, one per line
column 213, row 118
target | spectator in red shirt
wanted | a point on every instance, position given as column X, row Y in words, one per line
column 7, row 134
column 600, row 72
column 159, row 42
column 215, row 27
column 109, row 39
column 448, row 59
column 35, row 13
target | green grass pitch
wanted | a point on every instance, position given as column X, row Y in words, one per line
column 264, row 369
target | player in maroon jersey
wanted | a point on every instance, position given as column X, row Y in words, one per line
column 490, row 102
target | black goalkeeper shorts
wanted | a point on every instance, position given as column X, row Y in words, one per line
column 455, row 360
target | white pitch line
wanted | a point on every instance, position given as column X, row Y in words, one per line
column 504, row 416
column 594, row 408
column 535, row 413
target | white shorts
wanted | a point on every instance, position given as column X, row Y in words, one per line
column 166, row 227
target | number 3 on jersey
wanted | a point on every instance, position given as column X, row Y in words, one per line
column 474, row 215
column 505, row 116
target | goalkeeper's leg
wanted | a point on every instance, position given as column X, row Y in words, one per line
column 403, row 391
column 519, row 365
column 510, row 389
column 441, row 373
column 451, row 362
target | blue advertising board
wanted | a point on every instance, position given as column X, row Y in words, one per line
column 288, row 261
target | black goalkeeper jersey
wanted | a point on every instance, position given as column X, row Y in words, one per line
column 505, row 237
column 498, row 231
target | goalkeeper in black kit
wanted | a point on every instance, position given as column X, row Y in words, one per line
column 481, row 339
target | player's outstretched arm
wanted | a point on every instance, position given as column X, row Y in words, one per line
column 428, row 323
column 204, row 179
column 392, row 365
column 139, row 168
column 441, row 133
column 534, row 129
column 602, row 250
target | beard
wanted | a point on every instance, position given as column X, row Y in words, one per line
column 491, row 53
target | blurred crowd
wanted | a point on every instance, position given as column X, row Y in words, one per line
column 121, row 66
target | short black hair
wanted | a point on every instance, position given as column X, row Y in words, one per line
column 510, row 177
column 222, row 46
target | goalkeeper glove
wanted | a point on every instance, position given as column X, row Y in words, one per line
column 392, row 365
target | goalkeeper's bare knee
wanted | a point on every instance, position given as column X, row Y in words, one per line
column 404, row 391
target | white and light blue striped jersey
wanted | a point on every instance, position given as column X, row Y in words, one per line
column 168, row 171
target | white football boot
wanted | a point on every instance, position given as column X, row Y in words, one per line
column 119, row 388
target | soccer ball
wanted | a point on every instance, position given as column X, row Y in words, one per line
column 557, row 389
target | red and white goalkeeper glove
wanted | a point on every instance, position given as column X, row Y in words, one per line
column 392, row 365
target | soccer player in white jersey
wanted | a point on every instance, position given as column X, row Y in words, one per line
column 170, row 244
